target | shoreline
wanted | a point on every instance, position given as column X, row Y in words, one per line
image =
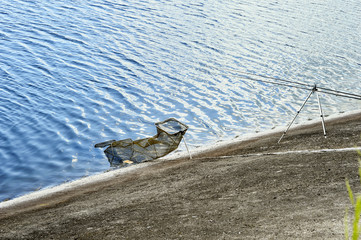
column 250, row 189
column 216, row 149
column 249, row 137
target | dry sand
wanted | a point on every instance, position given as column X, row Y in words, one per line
column 238, row 191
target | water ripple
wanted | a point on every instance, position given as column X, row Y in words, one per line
column 77, row 73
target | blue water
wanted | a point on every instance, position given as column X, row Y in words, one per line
column 74, row 73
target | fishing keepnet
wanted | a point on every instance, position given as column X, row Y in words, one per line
column 169, row 134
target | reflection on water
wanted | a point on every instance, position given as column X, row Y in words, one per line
column 74, row 73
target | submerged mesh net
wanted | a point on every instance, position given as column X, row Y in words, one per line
column 169, row 134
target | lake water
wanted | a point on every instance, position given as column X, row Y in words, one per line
column 74, row 73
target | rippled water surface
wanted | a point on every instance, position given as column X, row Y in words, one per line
column 74, row 73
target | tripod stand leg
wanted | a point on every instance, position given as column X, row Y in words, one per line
column 321, row 113
column 289, row 125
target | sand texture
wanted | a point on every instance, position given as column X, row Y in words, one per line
column 254, row 189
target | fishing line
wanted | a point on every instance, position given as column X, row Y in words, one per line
column 273, row 78
column 275, row 83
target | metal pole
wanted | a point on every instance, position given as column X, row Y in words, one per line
column 309, row 95
column 190, row 156
column 321, row 113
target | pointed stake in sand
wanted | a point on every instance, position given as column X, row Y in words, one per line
column 185, row 143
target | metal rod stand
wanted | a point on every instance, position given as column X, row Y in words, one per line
column 185, row 143
column 321, row 113
column 298, row 112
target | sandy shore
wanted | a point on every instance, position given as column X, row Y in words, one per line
column 249, row 189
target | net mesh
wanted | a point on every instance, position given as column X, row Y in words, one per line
column 169, row 134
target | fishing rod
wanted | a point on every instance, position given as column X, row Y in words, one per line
column 340, row 93
column 320, row 89
column 294, row 84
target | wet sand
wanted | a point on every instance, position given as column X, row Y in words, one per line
column 252, row 189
